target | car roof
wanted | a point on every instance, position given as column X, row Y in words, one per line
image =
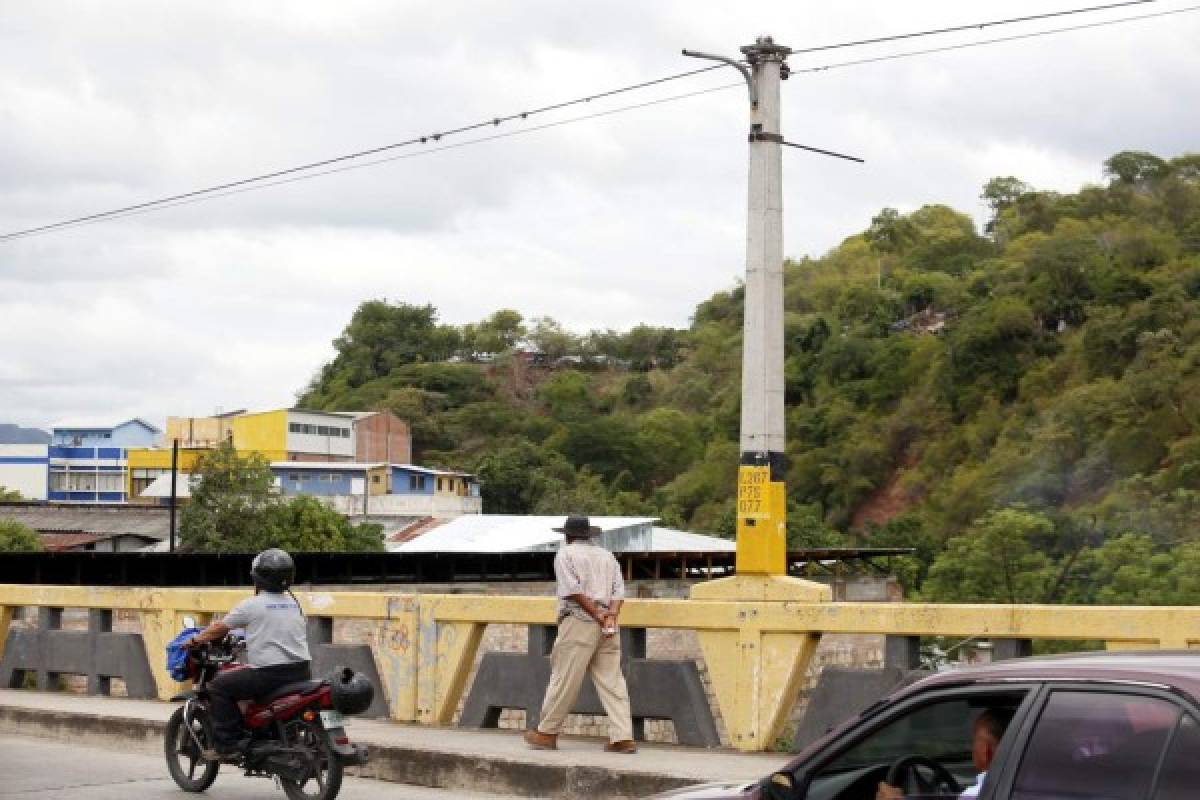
column 1178, row 669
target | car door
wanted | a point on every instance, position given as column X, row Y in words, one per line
column 1104, row 742
column 933, row 725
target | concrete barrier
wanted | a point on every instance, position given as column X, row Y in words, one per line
column 757, row 634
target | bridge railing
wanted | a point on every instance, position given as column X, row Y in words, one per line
column 423, row 646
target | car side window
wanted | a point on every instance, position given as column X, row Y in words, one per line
column 1179, row 777
column 1094, row 745
column 918, row 749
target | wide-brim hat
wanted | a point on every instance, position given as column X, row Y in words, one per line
column 578, row 526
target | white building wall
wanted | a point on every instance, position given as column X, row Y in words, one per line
column 316, row 443
column 416, row 505
column 25, row 468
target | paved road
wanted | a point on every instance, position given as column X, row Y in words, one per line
column 48, row 770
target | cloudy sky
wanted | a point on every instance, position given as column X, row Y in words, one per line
column 633, row 217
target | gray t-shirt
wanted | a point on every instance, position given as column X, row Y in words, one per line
column 275, row 629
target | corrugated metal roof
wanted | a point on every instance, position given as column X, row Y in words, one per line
column 431, row 470
column 503, row 533
column 344, row 466
column 669, row 540
column 151, row 522
column 500, row 533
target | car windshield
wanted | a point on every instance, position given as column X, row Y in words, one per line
column 939, row 732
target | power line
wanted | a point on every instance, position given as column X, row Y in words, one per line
column 183, row 201
column 997, row 40
column 279, row 177
column 977, row 26
column 434, row 137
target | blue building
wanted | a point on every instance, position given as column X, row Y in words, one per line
column 329, row 478
column 89, row 464
column 410, row 479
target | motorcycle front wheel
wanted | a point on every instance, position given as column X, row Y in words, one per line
column 324, row 780
column 183, row 744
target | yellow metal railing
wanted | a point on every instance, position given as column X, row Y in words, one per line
column 757, row 642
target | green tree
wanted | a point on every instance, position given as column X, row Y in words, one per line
column 515, row 474
column 499, row 332
column 997, row 560
column 234, row 507
column 17, row 537
column 10, row 495
column 1001, row 194
column 549, row 336
column 380, row 337
column 890, row 232
column 669, row 441
column 1135, row 166
column 305, row 524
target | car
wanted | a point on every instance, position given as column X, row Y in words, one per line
column 1083, row 726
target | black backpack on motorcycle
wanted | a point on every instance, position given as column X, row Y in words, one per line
column 351, row 692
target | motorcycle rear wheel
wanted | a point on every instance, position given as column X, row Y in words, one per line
column 188, row 768
column 326, row 780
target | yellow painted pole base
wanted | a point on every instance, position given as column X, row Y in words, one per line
column 761, row 523
column 757, row 670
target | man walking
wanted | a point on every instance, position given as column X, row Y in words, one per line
column 590, row 592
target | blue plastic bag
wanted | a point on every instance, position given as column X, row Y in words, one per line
column 177, row 654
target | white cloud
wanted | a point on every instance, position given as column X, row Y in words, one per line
column 606, row 223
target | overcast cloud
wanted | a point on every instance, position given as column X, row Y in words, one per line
column 630, row 218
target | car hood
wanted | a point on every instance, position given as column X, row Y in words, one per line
column 714, row 791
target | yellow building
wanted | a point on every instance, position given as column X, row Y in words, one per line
column 148, row 463
column 201, row 431
column 293, row 435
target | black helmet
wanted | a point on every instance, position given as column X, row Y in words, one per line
column 351, row 692
column 273, row 570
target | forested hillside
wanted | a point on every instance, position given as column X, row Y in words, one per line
column 1022, row 404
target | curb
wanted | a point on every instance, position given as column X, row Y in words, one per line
column 432, row 768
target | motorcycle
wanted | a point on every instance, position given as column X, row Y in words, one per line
column 296, row 733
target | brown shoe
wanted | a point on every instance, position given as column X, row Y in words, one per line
column 625, row 746
column 541, row 741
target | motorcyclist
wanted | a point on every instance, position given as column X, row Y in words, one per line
column 276, row 648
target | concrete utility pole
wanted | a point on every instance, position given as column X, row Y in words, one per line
column 761, row 498
column 762, row 503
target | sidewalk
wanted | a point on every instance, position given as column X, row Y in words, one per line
column 450, row 758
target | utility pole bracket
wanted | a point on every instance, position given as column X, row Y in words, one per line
column 736, row 65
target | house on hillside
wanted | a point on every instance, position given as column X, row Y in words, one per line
column 927, row 322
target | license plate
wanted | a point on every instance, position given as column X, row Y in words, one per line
column 331, row 719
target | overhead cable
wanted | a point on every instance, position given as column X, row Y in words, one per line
column 417, row 140
column 182, row 201
column 976, row 26
column 996, row 40
column 314, row 169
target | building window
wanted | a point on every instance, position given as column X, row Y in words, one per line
column 293, row 477
column 142, row 478
column 110, row 482
column 304, row 476
column 416, row 482
column 81, row 481
column 345, row 433
column 58, row 481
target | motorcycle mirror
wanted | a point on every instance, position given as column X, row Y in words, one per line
column 189, row 622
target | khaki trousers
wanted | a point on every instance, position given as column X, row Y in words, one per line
column 581, row 648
